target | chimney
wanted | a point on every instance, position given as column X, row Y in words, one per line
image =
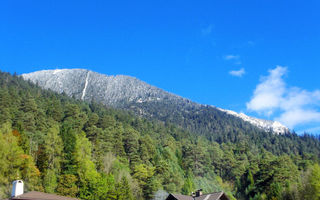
column 199, row 193
column 17, row 188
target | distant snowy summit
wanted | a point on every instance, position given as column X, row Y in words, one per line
column 132, row 94
column 267, row 125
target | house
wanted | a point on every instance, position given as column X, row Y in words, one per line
column 40, row 196
column 18, row 193
column 199, row 196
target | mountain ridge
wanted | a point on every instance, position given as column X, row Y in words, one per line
column 269, row 125
column 127, row 92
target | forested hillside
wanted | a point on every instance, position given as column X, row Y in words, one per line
column 145, row 100
column 57, row 144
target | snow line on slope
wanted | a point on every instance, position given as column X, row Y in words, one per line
column 85, row 86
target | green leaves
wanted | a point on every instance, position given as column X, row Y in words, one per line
column 315, row 182
column 310, row 188
column 68, row 185
column 14, row 163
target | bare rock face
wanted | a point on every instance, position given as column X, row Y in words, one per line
column 132, row 94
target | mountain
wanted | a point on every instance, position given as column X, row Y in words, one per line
column 129, row 93
column 114, row 91
column 268, row 125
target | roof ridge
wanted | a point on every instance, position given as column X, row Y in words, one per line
column 42, row 195
column 212, row 193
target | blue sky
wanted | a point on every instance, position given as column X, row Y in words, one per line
column 260, row 57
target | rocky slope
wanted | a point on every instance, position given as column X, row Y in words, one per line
column 88, row 85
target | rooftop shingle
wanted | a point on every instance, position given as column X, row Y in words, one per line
column 211, row 196
column 41, row 196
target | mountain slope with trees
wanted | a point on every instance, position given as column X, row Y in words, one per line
column 59, row 144
column 144, row 100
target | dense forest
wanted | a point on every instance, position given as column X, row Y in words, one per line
column 58, row 144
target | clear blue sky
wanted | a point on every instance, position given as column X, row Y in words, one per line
column 212, row 52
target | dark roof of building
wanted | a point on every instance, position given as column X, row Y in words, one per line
column 211, row 196
column 41, row 196
column 180, row 197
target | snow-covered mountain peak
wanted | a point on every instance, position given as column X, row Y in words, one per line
column 267, row 125
column 87, row 85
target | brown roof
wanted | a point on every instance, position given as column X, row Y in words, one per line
column 211, row 196
column 180, row 197
column 41, row 196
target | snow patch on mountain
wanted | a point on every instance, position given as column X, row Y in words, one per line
column 57, row 71
column 267, row 125
column 85, row 86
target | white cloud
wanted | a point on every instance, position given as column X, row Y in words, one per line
column 207, row 30
column 298, row 116
column 268, row 94
column 235, row 58
column 232, row 57
column 238, row 73
column 295, row 106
